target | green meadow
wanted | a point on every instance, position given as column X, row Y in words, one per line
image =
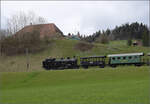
column 121, row 85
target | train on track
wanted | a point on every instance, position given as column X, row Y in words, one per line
column 112, row 60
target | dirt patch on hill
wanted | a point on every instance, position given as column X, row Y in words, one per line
column 83, row 46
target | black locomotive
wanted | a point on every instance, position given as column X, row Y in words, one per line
column 61, row 63
column 72, row 63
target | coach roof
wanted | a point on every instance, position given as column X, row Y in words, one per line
column 93, row 57
column 148, row 54
column 127, row 54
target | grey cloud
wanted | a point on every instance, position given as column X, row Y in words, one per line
column 83, row 16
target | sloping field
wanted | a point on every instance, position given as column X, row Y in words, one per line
column 122, row 85
column 63, row 48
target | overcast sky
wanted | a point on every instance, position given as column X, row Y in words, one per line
column 83, row 16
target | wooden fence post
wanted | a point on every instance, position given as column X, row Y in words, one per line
column 27, row 59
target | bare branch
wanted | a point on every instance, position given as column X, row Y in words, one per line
column 22, row 19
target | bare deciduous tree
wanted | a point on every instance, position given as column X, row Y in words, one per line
column 21, row 19
column 3, row 33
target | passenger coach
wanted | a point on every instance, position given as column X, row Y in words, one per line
column 126, row 59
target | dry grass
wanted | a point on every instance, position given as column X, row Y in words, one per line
column 82, row 46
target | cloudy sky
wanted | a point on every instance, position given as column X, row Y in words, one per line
column 83, row 16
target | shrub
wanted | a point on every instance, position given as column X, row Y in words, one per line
column 129, row 43
column 104, row 39
column 83, row 46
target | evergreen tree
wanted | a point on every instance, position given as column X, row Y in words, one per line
column 129, row 43
column 145, row 38
column 126, row 31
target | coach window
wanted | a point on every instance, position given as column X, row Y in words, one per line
column 130, row 57
column 113, row 58
column 118, row 58
column 124, row 58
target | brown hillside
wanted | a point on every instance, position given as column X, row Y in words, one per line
column 48, row 30
column 83, row 46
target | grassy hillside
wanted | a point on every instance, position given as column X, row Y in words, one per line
column 128, row 85
column 123, row 85
column 63, row 48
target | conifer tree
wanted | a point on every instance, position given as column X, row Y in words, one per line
column 145, row 38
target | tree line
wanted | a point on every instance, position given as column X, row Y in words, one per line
column 133, row 31
column 10, row 44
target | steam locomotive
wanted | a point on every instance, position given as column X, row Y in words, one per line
column 85, row 62
column 62, row 63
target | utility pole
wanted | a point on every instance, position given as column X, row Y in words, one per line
column 0, row 48
column 27, row 58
